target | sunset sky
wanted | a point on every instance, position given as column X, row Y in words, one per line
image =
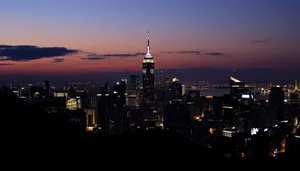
column 100, row 36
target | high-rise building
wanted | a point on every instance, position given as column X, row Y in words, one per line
column 183, row 90
column 148, row 77
column 161, row 81
column 276, row 105
column 193, row 101
column 148, row 86
column 47, row 89
column 90, row 119
column 118, row 113
column 133, row 82
column 111, row 109
column 294, row 107
column 176, row 88
column 296, row 85
column 240, row 106
column 103, row 103
column 237, row 87
column 177, row 116
column 87, row 98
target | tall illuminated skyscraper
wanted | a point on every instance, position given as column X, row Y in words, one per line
column 148, row 86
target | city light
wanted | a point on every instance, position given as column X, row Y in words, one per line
column 235, row 98
column 175, row 79
column 254, row 131
column 212, row 130
column 89, row 129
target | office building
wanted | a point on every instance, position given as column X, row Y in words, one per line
column 149, row 117
column 103, row 103
column 275, row 106
column 47, row 89
column 133, row 95
column 237, row 87
column 176, row 89
column 177, row 117
column 119, row 118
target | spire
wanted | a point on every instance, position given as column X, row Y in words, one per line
column 148, row 55
column 148, row 38
column 148, row 46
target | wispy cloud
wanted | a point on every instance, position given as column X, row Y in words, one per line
column 124, row 55
column 215, row 54
column 94, row 56
column 28, row 52
column 58, row 60
column 167, row 52
column 197, row 53
column 185, row 52
column 261, row 41
column 189, row 52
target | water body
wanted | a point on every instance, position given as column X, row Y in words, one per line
column 214, row 92
column 220, row 92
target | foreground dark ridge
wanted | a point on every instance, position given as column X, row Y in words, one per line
column 30, row 122
column 29, row 127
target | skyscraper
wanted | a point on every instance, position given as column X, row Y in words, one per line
column 118, row 112
column 111, row 109
column 103, row 103
column 276, row 105
column 133, row 82
column 176, row 88
column 148, row 86
column 237, row 87
column 47, row 89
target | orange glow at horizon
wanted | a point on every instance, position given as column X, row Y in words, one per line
column 74, row 64
column 244, row 57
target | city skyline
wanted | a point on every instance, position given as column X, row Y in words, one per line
column 102, row 37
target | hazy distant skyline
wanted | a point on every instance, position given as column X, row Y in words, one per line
column 111, row 36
